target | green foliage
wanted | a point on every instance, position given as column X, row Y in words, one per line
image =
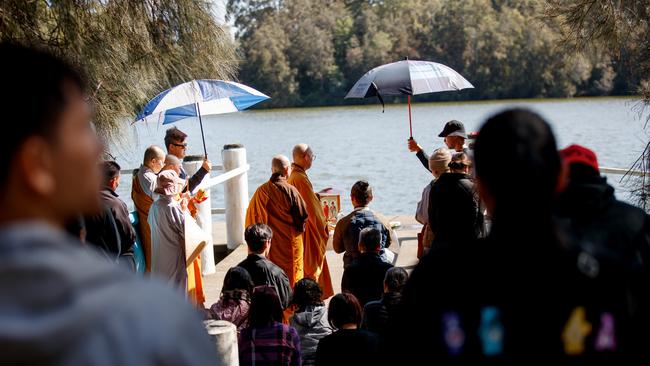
column 130, row 49
column 506, row 48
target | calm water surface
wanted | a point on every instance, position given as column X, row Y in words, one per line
column 353, row 143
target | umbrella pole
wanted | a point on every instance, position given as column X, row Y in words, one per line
column 198, row 113
column 410, row 122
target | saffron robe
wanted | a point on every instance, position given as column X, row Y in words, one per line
column 316, row 232
column 144, row 183
column 279, row 205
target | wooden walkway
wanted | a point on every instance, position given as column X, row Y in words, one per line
column 406, row 258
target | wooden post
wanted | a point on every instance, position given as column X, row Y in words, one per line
column 235, row 194
column 192, row 164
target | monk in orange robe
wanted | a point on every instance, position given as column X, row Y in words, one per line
column 279, row 205
column 316, row 232
column 144, row 184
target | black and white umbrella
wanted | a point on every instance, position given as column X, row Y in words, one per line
column 408, row 77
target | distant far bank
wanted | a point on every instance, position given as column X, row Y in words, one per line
column 396, row 104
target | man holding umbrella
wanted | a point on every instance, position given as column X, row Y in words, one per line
column 176, row 145
column 454, row 135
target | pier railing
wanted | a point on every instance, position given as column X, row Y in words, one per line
column 234, row 177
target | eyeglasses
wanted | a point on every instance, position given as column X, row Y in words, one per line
column 184, row 146
column 313, row 157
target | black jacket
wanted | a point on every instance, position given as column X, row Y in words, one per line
column 517, row 296
column 454, row 213
column 364, row 278
column 379, row 315
column 194, row 180
column 111, row 230
column 348, row 347
column 264, row 272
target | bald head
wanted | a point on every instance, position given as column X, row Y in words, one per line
column 303, row 156
column 154, row 158
column 281, row 165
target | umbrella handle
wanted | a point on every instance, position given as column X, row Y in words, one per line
column 410, row 121
column 198, row 113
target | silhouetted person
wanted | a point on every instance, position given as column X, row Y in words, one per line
column 267, row 341
column 111, row 230
column 61, row 304
column 348, row 345
column 521, row 293
column 454, row 211
column 365, row 277
column 380, row 314
column 309, row 318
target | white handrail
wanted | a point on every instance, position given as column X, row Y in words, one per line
column 213, row 181
column 620, row 171
column 215, row 168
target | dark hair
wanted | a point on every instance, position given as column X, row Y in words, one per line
column 362, row 192
column 265, row 307
column 395, row 279
column 111, row 170
column 256, row 235
column 371, row 239
column 237, row 278
column 526, row 142
column 174, row 135
column 344, row 309
column 33, row 96
column 306, row 292
column 459, row 161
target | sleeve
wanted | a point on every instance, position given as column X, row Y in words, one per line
column 364, row 319
column 424, row 159
column 298, row 211
column 285, row 290
column 422, row 212
column 256, row 212
column 196, row 179
column 296, row 358
column 337, row 240
column 346, row 281
column 321, row 353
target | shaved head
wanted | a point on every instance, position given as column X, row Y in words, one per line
column 172, row 160
column 153, row 152
column 280, row 164
column 303, row 156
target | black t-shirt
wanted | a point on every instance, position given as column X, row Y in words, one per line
column 348, row 347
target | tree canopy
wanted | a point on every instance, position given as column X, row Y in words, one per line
column 130, row 50
column 310, row 52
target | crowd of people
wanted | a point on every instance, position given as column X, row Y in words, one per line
column 547, row 267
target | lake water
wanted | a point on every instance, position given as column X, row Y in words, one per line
column 353, row 143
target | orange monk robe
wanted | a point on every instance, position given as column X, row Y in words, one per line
column 141, row 194
column 316, row 232
column 279, row 205
column 195, row 283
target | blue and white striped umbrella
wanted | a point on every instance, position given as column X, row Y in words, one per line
column 198, row 98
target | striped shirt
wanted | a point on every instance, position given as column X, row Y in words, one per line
column 277, row 344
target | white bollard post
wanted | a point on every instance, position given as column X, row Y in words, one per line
column 224, row 336
column 192, row 164
column 236, row 194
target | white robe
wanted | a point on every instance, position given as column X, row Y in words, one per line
column 167, row 223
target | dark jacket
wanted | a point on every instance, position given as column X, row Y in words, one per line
column 365, row 277
column 601, row 224
column 346, row 234
column 379, row 314
column 348, row 347
column 195, row 180
column 514, row 297
column 264, row 272
column 111, row 230
column 454, row 213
